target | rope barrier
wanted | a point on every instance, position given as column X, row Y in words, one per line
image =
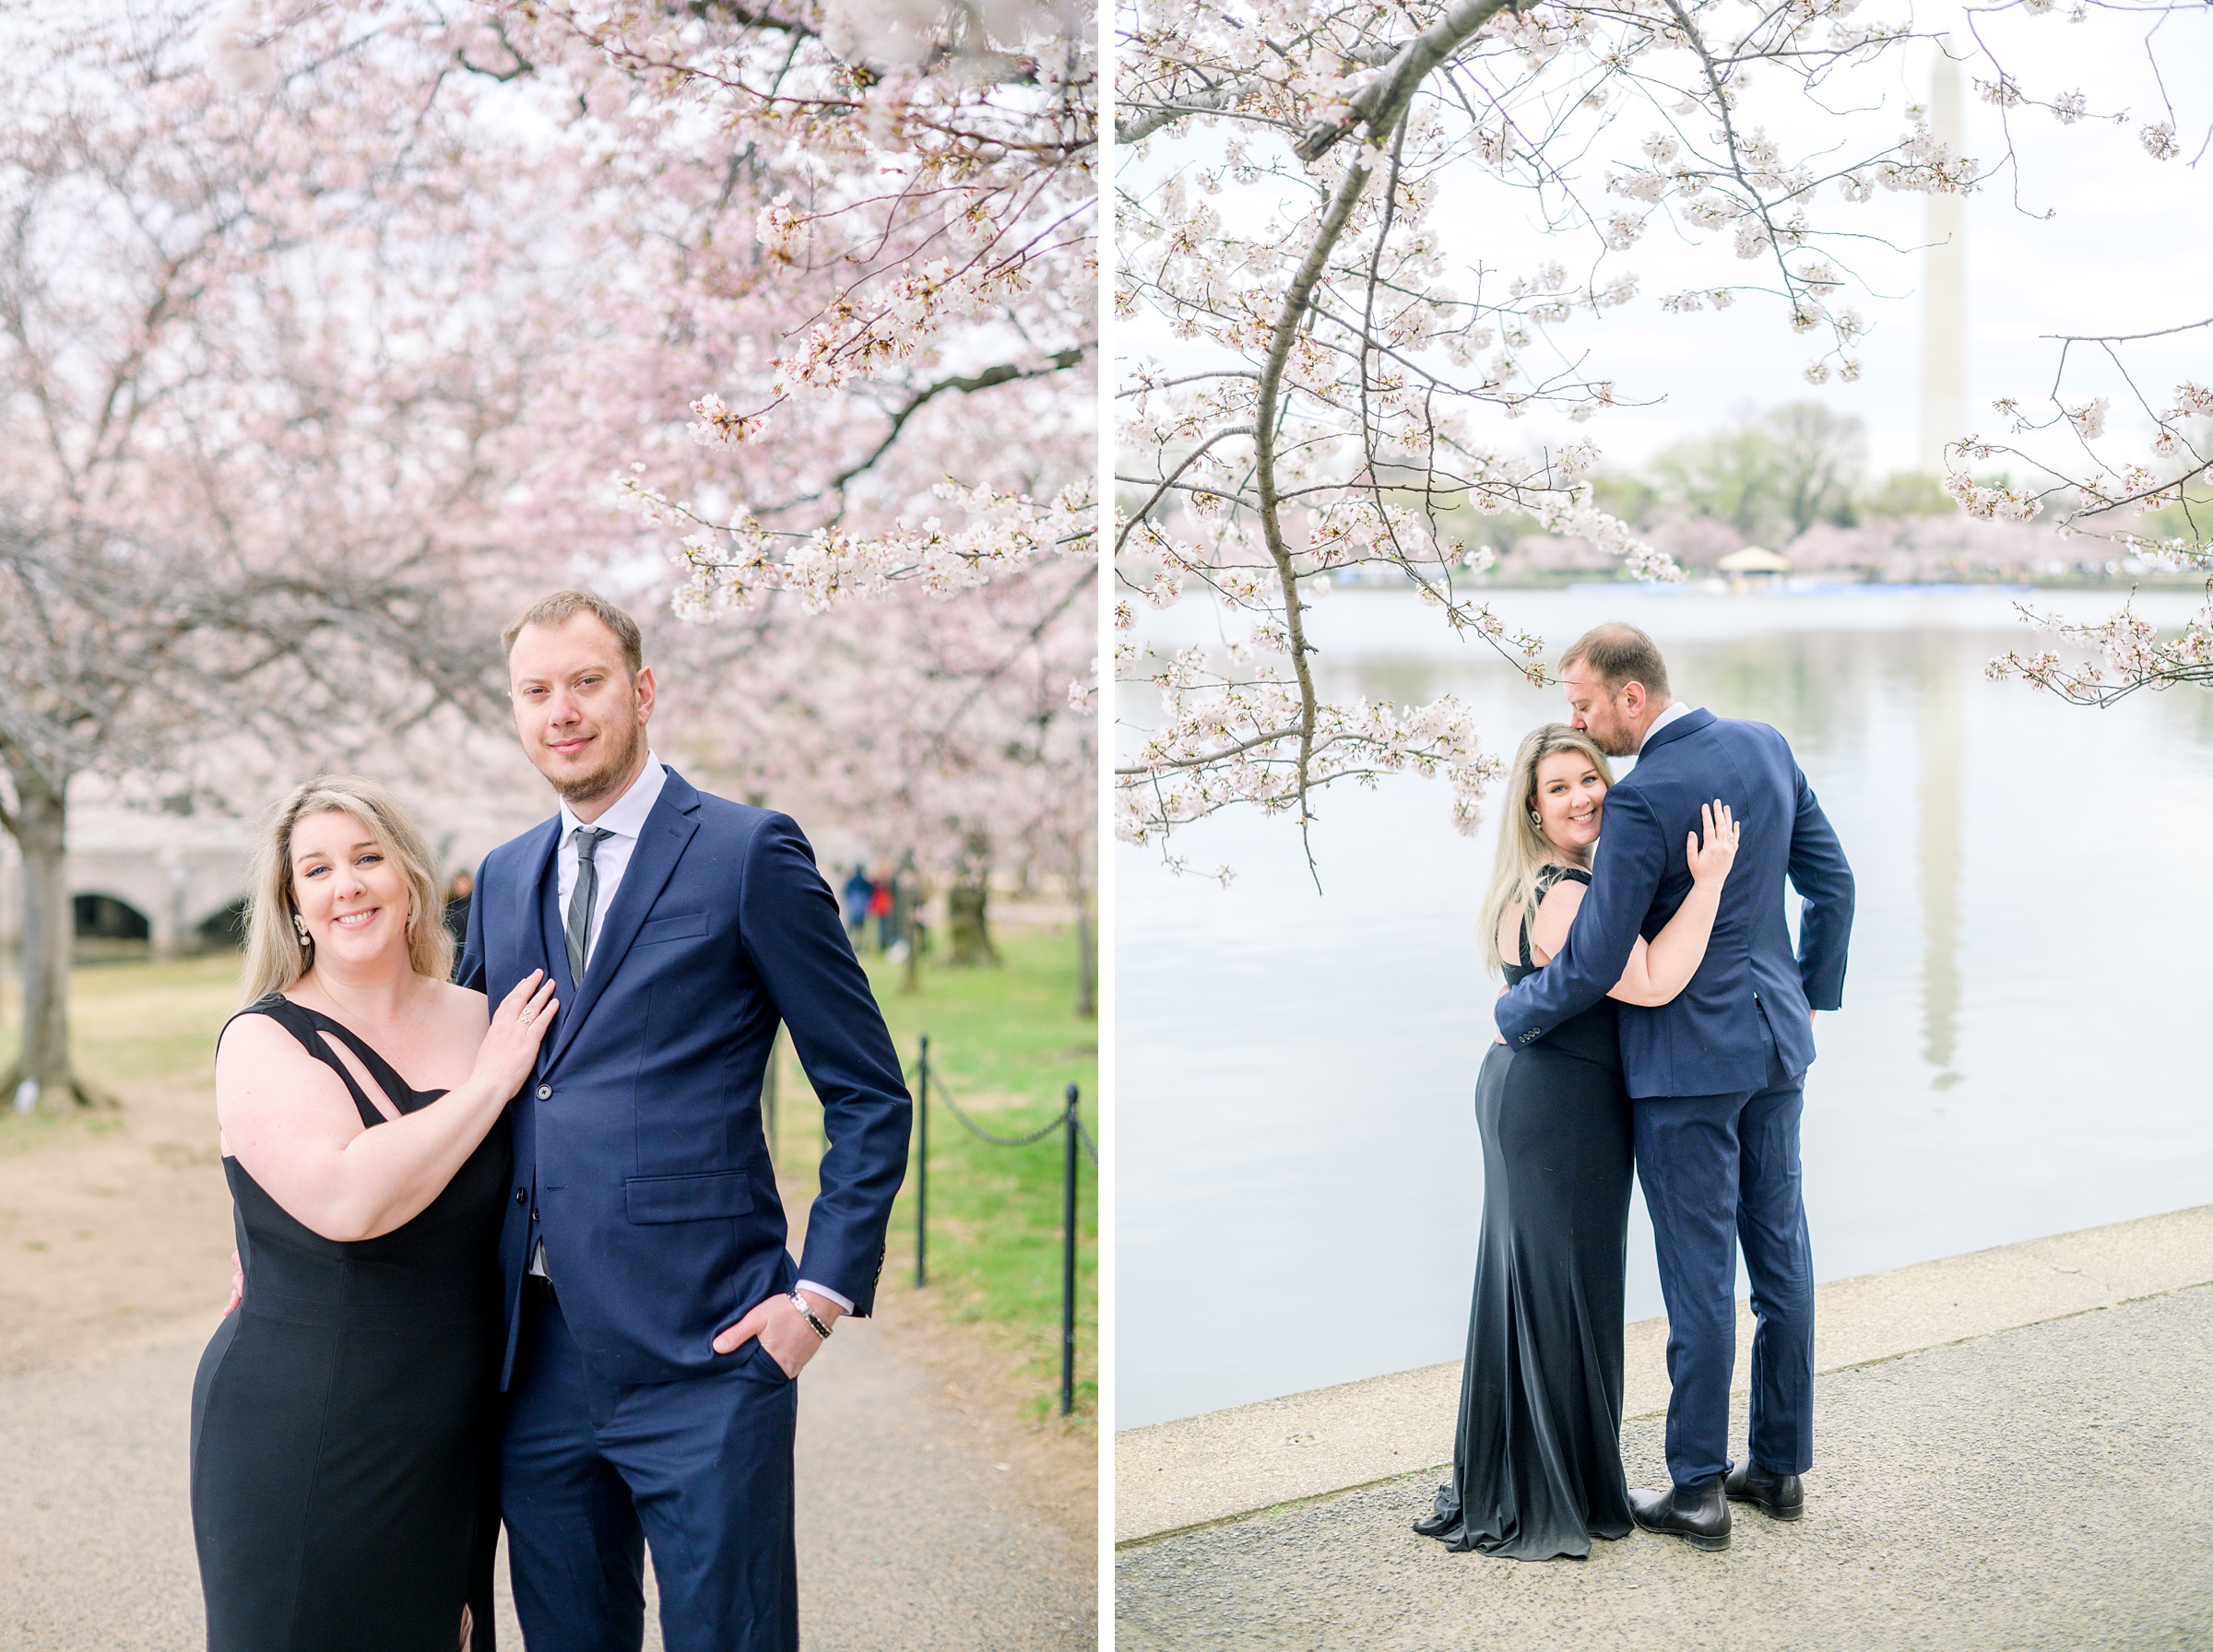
column 926, row 1077
column 940, row 1091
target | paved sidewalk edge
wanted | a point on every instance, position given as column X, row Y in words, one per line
column 1200, row 1470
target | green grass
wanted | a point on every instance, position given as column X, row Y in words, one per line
column 129, row 1023
column 1006, row 1043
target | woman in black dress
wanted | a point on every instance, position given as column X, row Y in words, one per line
column 343, row 1440
column 1536, row 1465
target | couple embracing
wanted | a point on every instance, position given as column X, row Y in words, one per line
column 1655, row 1021
column 510, row 1242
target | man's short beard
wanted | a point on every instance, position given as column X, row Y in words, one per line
column 603, row 780
column 1616, row 743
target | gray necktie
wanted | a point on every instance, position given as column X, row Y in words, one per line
column 582, row 898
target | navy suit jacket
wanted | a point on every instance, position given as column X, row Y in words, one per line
column 1711, row 1039
column 639, row 1155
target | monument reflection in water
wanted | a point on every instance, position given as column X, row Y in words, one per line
column 1299, row 1179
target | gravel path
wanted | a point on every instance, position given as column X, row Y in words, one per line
column 2044, row 1488
column 910, row 1534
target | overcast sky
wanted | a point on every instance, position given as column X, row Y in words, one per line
column 2127, row 247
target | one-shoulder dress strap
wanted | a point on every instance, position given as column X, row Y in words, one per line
column 309, row 1028
column 404, row 1096
column 292, row 1016
column 1547, row 875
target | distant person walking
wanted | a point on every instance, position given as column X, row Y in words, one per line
column 857, row 892
column 884, row 908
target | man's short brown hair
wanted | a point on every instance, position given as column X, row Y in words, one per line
column 1620, row 654
column 564, row 606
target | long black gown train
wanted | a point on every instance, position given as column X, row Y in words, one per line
column 1536, row 1466
column 344, row 1424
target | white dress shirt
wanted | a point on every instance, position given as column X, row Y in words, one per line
column 623, row 821
column 1675, row 708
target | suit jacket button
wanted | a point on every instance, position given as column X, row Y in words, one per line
column 520, row 1197
column 545, row 1092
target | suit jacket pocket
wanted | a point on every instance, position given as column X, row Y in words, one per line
column 675, row 926
column 718, row 1193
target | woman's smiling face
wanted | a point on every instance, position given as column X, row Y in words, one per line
column 351, row 894
column 1570, row 797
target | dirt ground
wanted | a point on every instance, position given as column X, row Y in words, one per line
column 117, row 1227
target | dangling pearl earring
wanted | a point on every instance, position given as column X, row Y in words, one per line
column 1535, row 818
column 300, row 928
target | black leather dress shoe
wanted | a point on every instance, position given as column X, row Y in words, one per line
column 1781, row 1496
column 1699, row 1515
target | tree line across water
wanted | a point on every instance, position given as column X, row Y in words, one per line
column 1768, row 479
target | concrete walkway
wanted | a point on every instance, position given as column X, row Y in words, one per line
column 1174, row 1475
column 2044, row 1486
column 2051, row 1487
column 911, row 1534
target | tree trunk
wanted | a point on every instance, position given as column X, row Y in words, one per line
column 907, row 921
column 968, row 921
column 42, row 1075
column 967, row 905
column 1087, row 980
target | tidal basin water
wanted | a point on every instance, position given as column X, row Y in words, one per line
column 2023, row 1048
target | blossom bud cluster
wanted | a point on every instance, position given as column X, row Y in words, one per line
column 2129, row 654
column 1927, row 167
column 738, row 568
column 1999, row 502
column 713, row 425
column 1226, row 741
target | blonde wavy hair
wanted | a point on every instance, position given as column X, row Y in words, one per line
column 275, row 955
column 1523, row 849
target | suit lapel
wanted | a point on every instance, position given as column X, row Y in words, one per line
column 1688, row 723
column 552, row 936
column 532, row 891
column 669, row 830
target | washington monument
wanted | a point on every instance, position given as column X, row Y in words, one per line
column 1943, row 288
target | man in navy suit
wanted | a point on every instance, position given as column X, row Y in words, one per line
column 1717, row 1076
column 656, row 1322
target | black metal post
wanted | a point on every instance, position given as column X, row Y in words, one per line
column 922, row 1164
column 1068, row 1263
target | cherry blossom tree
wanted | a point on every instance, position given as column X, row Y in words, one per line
column 846, row 381
column 943, row 730
column 891, row 209
column 1346, row 390
column 2152, row 499
column 266, row 379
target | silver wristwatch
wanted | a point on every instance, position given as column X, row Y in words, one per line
column 807, row 1312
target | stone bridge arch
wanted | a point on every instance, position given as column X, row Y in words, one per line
column 177, row 888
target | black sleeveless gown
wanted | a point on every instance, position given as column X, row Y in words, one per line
column 1536, row 1466
column 344, row 1420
